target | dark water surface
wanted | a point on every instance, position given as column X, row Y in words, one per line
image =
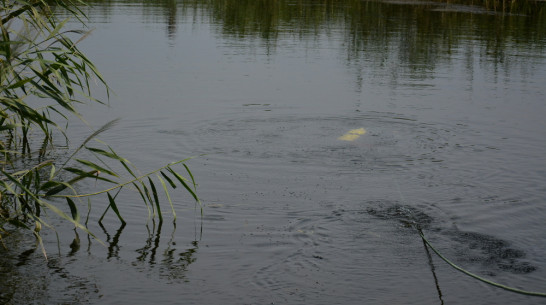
column 452, row 101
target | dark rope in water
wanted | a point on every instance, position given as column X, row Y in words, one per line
column 433, row 270
column 508, row 288
column 531, row 293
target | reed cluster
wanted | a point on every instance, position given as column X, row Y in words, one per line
column 43, row 78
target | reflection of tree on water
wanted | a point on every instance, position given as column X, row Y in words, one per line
column 404, row 41
column 167, row 9
column 170, row 9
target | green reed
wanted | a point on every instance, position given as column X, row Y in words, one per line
column 43, row 78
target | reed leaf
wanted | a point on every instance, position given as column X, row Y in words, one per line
column 98, row 168
column 41, row 244
column 94, row 174
column 115, row 208
column 57, row 29
column 102, row 129
column 44, row 203
column 143, row 199
column 73, row 209
column 111, row 155
column 148, row 197
column 184, row 184
column 191, row 176
column 168, row 179
column 167, row 193
column 41, row 61
column 156, row 199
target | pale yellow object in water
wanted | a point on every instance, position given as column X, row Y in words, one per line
column 353, row 134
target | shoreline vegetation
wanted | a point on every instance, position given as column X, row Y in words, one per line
column 43, row 78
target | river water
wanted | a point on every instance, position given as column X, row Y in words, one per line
column 448, row 104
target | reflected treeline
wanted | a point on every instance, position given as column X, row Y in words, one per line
column 420, row 33
column 269, row 18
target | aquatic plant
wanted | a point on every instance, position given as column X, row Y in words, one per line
column 43, row 77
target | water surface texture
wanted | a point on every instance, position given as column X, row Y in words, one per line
column 329, row 128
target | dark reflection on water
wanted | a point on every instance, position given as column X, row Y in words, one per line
column 424, row 32
column 113, row 247
column 451, row 98
column 471, row 248
column 75, row 244
column 403, row 42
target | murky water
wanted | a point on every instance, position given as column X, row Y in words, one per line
column 451, row 100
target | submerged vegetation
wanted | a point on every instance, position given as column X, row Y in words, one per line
column 43, row 77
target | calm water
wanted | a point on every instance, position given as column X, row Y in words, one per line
column 452, row 100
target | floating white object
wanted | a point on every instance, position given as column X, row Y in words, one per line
column 353, row 134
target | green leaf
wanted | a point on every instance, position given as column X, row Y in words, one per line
column 181, row 179
column 52, row 172
column 97, row 167
column 73, row 209
column 20, row 83
column 168, row 180
column 108, row 154
column 57, row 29
column 8, row 127
column 143, row 198
column 115, row 208
column 147, row 193
column 83, row 174
column 167, row 194
column 156, row 199
column 53, row 208
column 60, row 186
column 18, row 223
column 191, row 176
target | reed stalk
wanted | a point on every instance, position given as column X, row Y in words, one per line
column 43, row 78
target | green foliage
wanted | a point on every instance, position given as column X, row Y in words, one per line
column 43, row 76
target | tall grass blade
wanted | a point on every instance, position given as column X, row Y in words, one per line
column 97, row 167
column 191, row 176
column 73, row 209
column 167, row 194
column 44, row 203
column 156, row 199
column 94, row 134
column 40, row 242
column 147, row 193
column 94, row 174
column 143, row 199
column 183, row 182
column 115, row 208
column 168, row 179
column 57, row 29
